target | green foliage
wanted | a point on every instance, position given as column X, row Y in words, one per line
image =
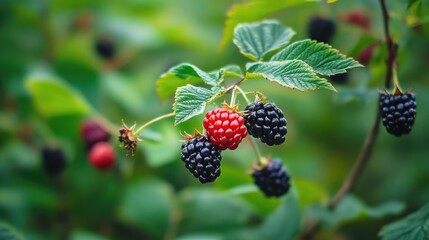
column 8, row 233
column 255, row 40
column 191, row 101
column 414, row 226
column 53, row 97
column 253, row 10
column 309, row 192
column 148, row 204
column 351, row 208
column 293, row 74
column 322, row 58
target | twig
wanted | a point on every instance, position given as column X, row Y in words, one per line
column 362, row 160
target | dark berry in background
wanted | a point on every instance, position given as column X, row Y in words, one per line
column 105, row 47
column 53, row 160
column 266, row 122
column 398, row 112
column 202, row 159
column 272, row 180
column 339, row 78
column 321, row 29
column 93, row 133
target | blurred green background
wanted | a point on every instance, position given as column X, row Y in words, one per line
column 152, row 195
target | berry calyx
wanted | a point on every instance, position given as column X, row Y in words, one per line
column 272, row 179
column 127, row 139
column 53, row 160
column 398, row 112
column 202, row 158
column 225, row 128
column 321, row 29
column 92, row 133
column 266, row 122
column 102, row 156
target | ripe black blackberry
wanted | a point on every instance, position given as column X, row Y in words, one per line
column 339, row 78
column 105, row 47
column 272, row 179
column 53, row 160
column 202, row 159
column 266, row 122
column 321, row 30
column 398, row 112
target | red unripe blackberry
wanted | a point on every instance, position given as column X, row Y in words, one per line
column 202, row 159
column 53, row 160
column 225, row 128
column 321, row 30
column 92, row 133
column 358, row 18
column 266, row 122
column 272, row 179
column 398, row 112
column 102, row 156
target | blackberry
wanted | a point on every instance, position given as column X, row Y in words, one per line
column 105, row 48
column 267, row 122
column 272, row 179
column 398, row 112
column 202, row 159
column 321, row 30
column 92, row 133
column 53, row 160
column 339, row 78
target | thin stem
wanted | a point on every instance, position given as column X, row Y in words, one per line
column 234, row 84
column 153, row 121
column 391, row 46
column 233, row 96
column 255, row 148
column 243, row 94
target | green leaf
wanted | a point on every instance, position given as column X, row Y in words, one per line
column 351, row 208
column 309, row 192
column 324, row 59
column 183, row 74
column 414, row 226
column 84, row 235
column 8, row 233
column 224, row 212
column 294, row 74
column 148, row 204
column 53, row 97
column 230, row 71
column 285, row 222
column 253, row 10
column 191, row 101
column 257, row 39
column 410, row 3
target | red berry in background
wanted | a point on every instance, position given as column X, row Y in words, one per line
column 225, row 128
column 102, row 156
column 92, row 133
column 366, row 54
column 358, row 18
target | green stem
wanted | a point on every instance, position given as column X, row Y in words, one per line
column 261, row 160
column 153, row 121
column 233, row 96
column 243, row 94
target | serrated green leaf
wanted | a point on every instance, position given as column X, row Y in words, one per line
column 253, row 10
column 414, row 226
column 53, row 97
column 257, row 39
column 191, row 101
column 324, row 59
column 294, row 74
column 229, row 71
column 8, row 233
column 168, row 83
column 186, row 70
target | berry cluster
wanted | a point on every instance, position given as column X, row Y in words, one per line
column 225, row 128
column 398, row 112
column 101, row 154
